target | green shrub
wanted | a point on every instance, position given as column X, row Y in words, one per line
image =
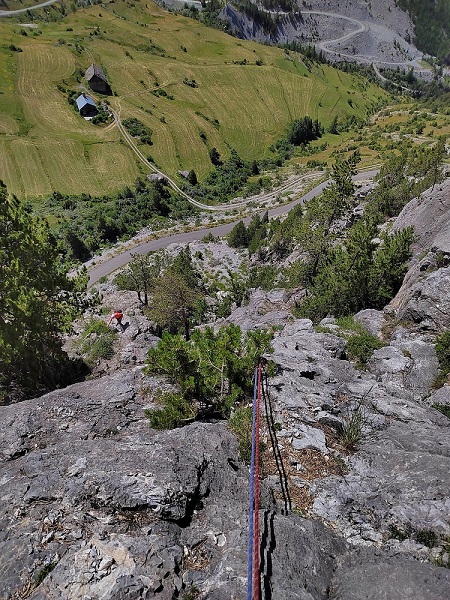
column 42, row 573
column 96, row 326
column 443, row 408
column 96, row 342
column 240, row 424
column 262, row 277
column 361, row 346
column 352, row 427
column 213, row 370
column 176, row 409
column 443, row 354
column 398, row 534
column 349, row 324
column 427, row 537
column 139, row 130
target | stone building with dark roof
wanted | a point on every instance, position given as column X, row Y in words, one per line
column 97, row 80
column 86, row 106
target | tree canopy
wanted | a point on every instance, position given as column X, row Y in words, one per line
column 177, row 299
column 34, row 306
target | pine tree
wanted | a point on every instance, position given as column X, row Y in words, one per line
column 177, row 299
column 33, row 308
column 173, row 303
column 140, row 275
column 215, row 157
column 238, row 236
column 192, row 177
column 325, row 216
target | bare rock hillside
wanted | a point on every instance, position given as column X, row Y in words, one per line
column 362, row 31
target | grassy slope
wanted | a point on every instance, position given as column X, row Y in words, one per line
column 46, row 146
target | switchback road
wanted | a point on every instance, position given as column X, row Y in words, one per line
column 106, row 267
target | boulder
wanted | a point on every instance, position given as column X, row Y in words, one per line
column 427, row 302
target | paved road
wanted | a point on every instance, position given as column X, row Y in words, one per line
column 9, row 13
column 110, row 265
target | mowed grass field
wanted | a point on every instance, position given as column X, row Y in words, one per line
column 245, row 96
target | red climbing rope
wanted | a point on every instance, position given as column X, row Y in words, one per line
column 253, row 576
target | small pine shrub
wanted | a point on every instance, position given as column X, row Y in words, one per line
column 176, row 409
column 398, row 534
column 361, row 346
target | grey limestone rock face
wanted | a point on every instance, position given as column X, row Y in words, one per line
column 117, row 510
column 440, row 396
column 372, row 320
column 89, row 488
column 367, row 574
column 398, row 478
column 423, row 298
column 264, row 310
column 383, row 34
column 427, row 302
column 308, row 576
column 430, row 217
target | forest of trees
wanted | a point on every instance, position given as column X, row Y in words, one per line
column 431, row 26
column 87, row 223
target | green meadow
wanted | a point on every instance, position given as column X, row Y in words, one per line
column 241, row 95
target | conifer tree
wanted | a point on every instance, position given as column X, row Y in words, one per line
column 140, row 275
column 33, row 299
column 177, row 299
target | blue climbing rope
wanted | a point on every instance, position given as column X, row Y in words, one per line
column 252, row 497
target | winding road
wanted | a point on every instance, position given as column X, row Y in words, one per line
column 107, row 266
column 102, row 269
column 130, row 141
column 287, row 187
column 361, row 27
column 10, row 13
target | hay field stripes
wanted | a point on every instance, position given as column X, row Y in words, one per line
column 40, row 67
column 34, row 175
column 263, row 109
column 252, row 103
column 52, row 157
column 10, row 170
column 8, row 125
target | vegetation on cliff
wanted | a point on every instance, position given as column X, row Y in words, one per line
column 431, row 25
column 37, row 302
column 212, row 371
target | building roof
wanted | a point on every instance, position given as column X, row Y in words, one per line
column 94, row 70
column 83, row 100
